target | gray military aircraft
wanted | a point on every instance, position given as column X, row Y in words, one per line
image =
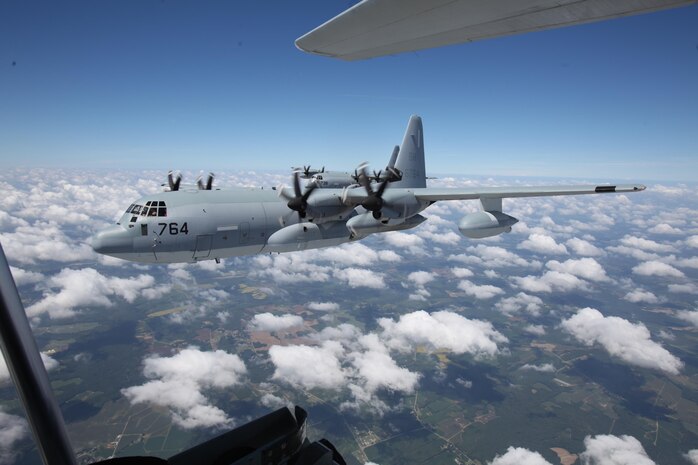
column 189, row 225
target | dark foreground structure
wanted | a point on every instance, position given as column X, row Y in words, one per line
column 274, row 439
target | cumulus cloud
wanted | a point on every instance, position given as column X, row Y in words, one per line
column 543, row 368
column 629, row 342
column 309, row 366
column 584, row 248
column 411, row 242
column 657, row 268
column 641, row 295
column 537, row 330
column 550, row 281
column 586, row 268
column 442, row 330
column 177, row 383
column 664, row 228
column 43, row 242
column 462, row 272
column 358, row 277
column 492, row 257
column 323, row 306
column 519, row 456
column 646, row 244
column 421, row 278
column 520, row 301
column 269, row 322
column 689, row 316
column 86, row 287
column 13, row 429
column 485, row 291
column 49, row 364
column 23, row 277
column 692, row 241
column 607, row 449
column 543, row 244
column 342, row 358
column 692, row 456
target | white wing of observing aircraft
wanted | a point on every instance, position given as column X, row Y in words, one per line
column 375, row 28
column 193, row 224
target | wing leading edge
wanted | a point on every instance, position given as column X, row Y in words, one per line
column 375, row 28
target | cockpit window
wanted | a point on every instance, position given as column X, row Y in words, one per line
column 151, row 208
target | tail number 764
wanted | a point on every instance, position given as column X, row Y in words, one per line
column 173, row 228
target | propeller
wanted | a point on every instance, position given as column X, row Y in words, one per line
column 374, row 201
column 299, row 202
column 209, row 182
column 173, row 182
column 356, row 174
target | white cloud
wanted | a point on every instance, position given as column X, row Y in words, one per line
column 358, row 277
column 49, row 364
column 692, row 241
column 550, row 281
column 586, row 268
column 492, row 257
column 607, row 449
column 529, row 303
column 177, row 383
column 688, row 288
column 462, row 272
column 519, row 456
column 656, row 268
column 13, row 429
column 86, row 287
column 43, row 242
column 689, row 316
column 646, row 244
column 269, row 322
column 421, row 278
column 664, row 228
column 543, row 244
column 537, row 330
column 641, row 295
column 323, row 306
column 308, row 366
column 442, row 330
column 411, row 242
column 621, row 338
column 692, row 456
column 485, row 291
column 544, row 368
column 23, row 277
column 584, row 248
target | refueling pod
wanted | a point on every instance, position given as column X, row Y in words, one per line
column 485, row 224
column 488, row 222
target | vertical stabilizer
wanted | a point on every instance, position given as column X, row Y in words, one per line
column 410, row 159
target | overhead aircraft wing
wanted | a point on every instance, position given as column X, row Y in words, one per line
column 431, row 194
column 375, row 28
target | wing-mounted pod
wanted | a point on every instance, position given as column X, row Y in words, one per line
column 488, row 222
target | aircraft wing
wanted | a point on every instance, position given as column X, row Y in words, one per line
column 435, row 194
column 375, row 28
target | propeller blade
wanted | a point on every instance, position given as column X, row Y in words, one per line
column 209, row 181
column 173, row 182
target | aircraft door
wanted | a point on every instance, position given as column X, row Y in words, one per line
column 203, row 246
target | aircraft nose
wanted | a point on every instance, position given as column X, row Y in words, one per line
column 112, row 240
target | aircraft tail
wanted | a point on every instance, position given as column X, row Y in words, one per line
column 410, row 159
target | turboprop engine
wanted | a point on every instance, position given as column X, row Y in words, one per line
column 485, row 224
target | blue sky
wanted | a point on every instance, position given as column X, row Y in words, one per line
column 220, row 86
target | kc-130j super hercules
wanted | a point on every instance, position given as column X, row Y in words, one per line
column 190, row 225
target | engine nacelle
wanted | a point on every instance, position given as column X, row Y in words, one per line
column 293, row 237
column 485, row 224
